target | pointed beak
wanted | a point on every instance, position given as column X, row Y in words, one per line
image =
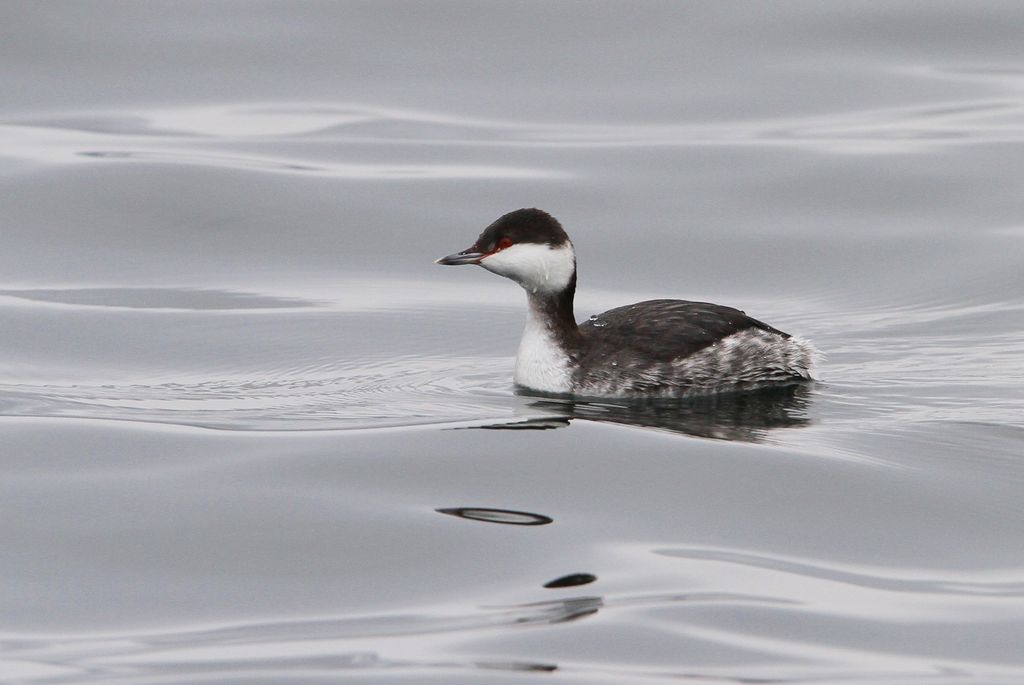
column 468, row 256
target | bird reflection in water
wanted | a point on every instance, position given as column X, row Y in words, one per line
column 744, row 416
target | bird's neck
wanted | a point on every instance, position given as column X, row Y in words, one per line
column 551, row 342
column 552, row 313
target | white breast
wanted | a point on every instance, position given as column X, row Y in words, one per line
column 541, row 364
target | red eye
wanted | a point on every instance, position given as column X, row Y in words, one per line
column 504, row 242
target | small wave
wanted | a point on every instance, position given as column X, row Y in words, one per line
column 375, row 172
column 138, row 137
column 364, row 394
column 331, row 646
column 432, row 644
column 160, row 298
column 183, row 135
column 875, row 579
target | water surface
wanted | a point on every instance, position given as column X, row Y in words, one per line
column 250, row 433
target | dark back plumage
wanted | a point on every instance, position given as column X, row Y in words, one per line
column 664, row 330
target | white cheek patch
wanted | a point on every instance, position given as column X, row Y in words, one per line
column 536, row 267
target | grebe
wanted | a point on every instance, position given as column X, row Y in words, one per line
column 657, row 348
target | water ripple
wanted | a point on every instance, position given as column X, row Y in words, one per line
column 877, row 579
column 365, row 394
column 179, row 299
column 333, row 645
column 373, row 172
column 184, row 135
column 322, row 650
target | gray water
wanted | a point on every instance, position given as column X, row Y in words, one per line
column 250, row 433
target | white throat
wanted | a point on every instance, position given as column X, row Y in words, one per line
column 538, row 268
column 541, row 364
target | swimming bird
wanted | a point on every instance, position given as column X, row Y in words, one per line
column 656, row 348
